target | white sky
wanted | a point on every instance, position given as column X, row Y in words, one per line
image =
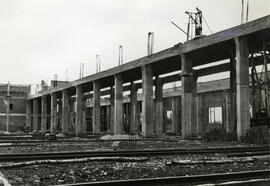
column 40, row 38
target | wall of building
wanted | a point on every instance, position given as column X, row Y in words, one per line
column 17, row 102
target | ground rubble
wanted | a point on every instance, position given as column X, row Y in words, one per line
column 47, row 174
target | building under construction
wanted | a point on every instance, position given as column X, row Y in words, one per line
column 130, row 98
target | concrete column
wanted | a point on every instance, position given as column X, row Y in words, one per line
column 227, row 110
column 35, row 114
column 53, row 113
column 200, row 114
column 79, row 111
column 28, row 113
column 159, row 106
column 266, row 80
column 176, row 115
column 118, row 100
column 96, row 107
column 44, row 114
column 187, row 105
column 108, row 118
column 65, row 111
column 195, row 119
column 112, row 111
column 232, row 106
column 242, row 83
column 147, row 101
column 133, row 108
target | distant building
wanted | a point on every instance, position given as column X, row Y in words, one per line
column 56, row 83
column 12, row 107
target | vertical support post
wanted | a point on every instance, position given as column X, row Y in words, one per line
column 79, row 110
column 133, row 107
column 43, row 113
column 159, row 106
column 53, row 113
column 227, row 110
column 200, row 113
column 96, row 107
column 28, row 113
column 266, row 80
column 175, row 113
column 147, row 101
column 112, row 105
column 8, row 107
column 118, row 101
column 231, row 125
column 35, row 114
column 242, row 81
column 65, row 111
column 188, row 90
column 108, row 118
column 195, row 121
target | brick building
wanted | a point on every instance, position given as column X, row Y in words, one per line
column 12, row 106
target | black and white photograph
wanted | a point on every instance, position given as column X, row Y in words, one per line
column 135, row 92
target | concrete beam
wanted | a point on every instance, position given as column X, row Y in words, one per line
column 79, row 111
column 65, row 111
column 118, row 101
column 96, row 107
column 228, row 34
column 44, row 114
column 147, row 101
column 261, row 25
column 242, row 81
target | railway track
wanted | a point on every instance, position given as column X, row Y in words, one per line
column 126, row 153
column 18, row 142
column 190, row 180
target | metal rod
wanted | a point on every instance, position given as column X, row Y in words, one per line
column 247, row 11
column 180, row 28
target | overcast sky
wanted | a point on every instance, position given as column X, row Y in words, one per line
column 40, row 38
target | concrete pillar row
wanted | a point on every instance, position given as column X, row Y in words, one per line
column 242, row 84
column 159, row 106
column 134, row 117
column 118, row 101
column 79, row 111
column 147, row 101
column 44, row 113
column 53, row 113
column 35, row 114
column 96, row 107
column 28, row 113
column 189, row 92
column 65, row 111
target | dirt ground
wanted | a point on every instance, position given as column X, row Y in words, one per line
column 49, row 174
column 109, row 170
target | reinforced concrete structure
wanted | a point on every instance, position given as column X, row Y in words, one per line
column 150, row 73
